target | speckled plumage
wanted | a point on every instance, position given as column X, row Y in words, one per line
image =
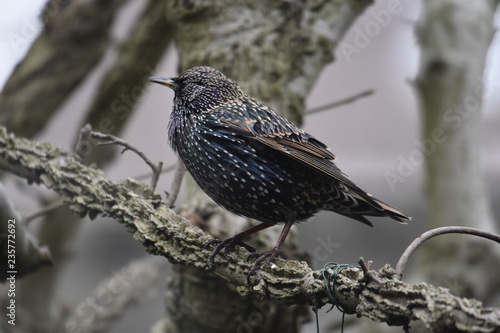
column 252, row 161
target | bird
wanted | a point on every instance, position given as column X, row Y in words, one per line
column 255, row 163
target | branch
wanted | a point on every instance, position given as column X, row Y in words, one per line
column 43, row 211
column 344, row 101
column 113, row 140
column 47, row 75
column 164, row 233
column 29, row 253
column 436, row 232
column 132, row 284
column 180, row 170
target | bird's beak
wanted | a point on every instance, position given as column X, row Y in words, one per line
column 166, row 81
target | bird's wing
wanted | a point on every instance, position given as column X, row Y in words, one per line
column 267, row 127
column 263, row 125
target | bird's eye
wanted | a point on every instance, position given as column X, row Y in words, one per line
column 178, row 82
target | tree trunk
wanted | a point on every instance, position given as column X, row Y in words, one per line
column 455, row 36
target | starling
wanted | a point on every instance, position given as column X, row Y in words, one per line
column 254, row 162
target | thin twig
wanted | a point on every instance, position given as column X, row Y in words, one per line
column 368, row 273
column 435, row 232
column 83, row 143
column 175, row 188
column 156, row 175
column 166, row 169
column 341, row 102
column 30, row 253
column 112, row 140
column 44, row 210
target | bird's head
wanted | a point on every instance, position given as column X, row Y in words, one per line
column 201, row 88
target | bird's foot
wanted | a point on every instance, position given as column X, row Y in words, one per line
column 227, row 245
column 260, row 257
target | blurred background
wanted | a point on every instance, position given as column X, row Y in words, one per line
column 370, row 137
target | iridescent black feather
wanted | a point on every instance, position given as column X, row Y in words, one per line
column 254, row 162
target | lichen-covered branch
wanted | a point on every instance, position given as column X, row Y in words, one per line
column 164, row 233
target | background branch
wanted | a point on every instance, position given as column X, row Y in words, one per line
column 436, row 232
column 131, row 284
column 124, row 83
column 47, row 75
column 30, row 254
column 344, row 101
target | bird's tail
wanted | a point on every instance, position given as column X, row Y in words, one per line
column 363, row 204
column 392, row 212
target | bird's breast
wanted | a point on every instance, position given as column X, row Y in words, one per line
column 180, row 128
column 241, row 175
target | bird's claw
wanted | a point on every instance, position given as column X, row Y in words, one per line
column 230, row 243
column 213, row 241
column 227, row 245
column 260, row 257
